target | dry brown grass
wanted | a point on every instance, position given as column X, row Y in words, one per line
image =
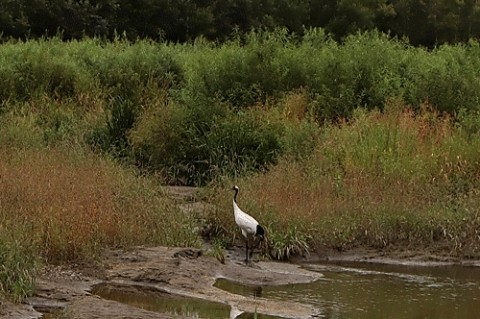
column 74, row 204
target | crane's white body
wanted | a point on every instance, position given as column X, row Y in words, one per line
column 247, row 223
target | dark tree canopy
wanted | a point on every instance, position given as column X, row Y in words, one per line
column 424, row 22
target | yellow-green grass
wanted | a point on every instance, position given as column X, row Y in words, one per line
column 383, row 179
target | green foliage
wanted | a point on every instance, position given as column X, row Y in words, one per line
column 18, row 263
column 217, row 250
column 190, row 149
column 366, row 70
column 157, row 136
column 241, row 74
column 199, row 111
column 395, row 178
column 285, row 244
column 449, row 80
column 243, row 140
column 74, row 69
column 130, row 70
column 113, row 136
column 71, row 79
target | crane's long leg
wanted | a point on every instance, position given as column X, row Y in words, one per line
column 246, row 250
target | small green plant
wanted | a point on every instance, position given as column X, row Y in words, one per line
column 288, row 243
column 217, row 250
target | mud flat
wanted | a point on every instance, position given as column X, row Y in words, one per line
column 68, row 292
column 159, row 270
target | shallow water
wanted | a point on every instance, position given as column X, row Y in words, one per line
column 353, row 290
column 171, row 304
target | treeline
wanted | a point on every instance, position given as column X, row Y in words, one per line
column 424, row 22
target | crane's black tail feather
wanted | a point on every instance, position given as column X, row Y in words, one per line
column 260, row 232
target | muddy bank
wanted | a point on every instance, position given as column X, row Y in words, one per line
column 67, row 292
column 187, row 272
column 176, row 271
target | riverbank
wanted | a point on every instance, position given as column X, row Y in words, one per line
column 158, row 270
column 66, row 292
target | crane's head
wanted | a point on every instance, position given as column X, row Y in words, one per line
column 235, row 188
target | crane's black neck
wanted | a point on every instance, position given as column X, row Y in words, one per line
column 235, row 196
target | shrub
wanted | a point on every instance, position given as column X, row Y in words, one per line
column 191, row 150
column 449, row 79
column 160, row 140
column 128, row 71
column 240, row 72
column 244, row 141
column 36, row 68
column 69, row 70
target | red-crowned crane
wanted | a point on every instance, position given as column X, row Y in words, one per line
column 247, row 223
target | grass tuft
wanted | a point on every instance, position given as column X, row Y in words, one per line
column 217, row 250
column 18, row 262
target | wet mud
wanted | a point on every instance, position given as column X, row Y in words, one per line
column 161, row 270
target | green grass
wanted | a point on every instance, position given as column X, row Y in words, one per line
column 138, row 100
column 19, row 262
column 217, row 250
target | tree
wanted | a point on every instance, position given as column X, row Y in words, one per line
column 352, row 16
column 410, row 21
column 293, row 15
column 469, row 19
column 13, row 21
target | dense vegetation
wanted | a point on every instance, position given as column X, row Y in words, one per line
column 424, row 22
column 389, row 180
column 195, row 112
column 370, row 141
